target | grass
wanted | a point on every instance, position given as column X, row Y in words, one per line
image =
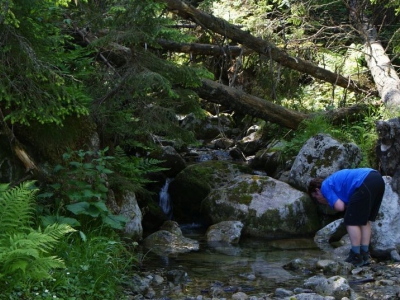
column 97, row 268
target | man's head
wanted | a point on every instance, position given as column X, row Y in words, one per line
column 314, row 190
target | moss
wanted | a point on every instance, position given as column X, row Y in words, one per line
column 49, row 141
column 243, row 192
column 273, row 225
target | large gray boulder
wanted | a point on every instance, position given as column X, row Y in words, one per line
column 267, row 207
column 321, row 156
column 386, row 229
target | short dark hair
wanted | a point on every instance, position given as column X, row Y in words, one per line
column 314, row 183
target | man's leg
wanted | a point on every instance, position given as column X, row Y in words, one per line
column 366, row 234
column 355, row 233
column 355, row 257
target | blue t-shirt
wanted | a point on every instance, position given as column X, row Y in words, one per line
column 342, row 184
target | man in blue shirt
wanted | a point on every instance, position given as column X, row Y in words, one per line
column 359, row 193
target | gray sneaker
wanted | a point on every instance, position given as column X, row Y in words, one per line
column 366, row 257
column 355, row 259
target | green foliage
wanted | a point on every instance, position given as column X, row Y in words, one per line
column 81, row 188
column 37, row 83
column 309, row 127
column 363, row 134
column 96, row 268
column 132, row 172
column 25, row 253
column 148, row 89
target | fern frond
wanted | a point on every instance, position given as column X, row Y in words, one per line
column 56, row 231
column 16, row 207
column 4, row 187
column 23, row 250
column 39, row 268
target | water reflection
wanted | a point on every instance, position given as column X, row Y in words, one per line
column 252, row 266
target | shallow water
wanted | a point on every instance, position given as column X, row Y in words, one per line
column 253, row 266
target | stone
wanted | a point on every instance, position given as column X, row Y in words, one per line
column 267, row 207
column 321, row 156
column 226, row 231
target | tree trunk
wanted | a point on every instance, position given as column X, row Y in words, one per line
column 266, row 110
column 261, row 46
column 202, row 49
column 385, row 77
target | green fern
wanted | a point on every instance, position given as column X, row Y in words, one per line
column 24, row 251
column 16, row 210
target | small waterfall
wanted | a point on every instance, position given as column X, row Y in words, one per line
column 164, row 199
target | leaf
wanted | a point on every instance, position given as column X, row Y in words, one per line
column 107, row 171
column 115, row 221
column 83, row 236
column 49, row 220
column 100, row 206
column 79, row 207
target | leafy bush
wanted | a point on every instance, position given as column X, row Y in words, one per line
column 81, row 189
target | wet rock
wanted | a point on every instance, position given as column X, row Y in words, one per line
column 163, row 242
column 250, row 144
column 226, row 231
column 335, row 286
column 281, row 293
column 222, row 143
column 172, row 227
column 210, row 127
column 239, row 296
column 177, row 276
column 309, row 296
column 171, row 160
column 295, row 264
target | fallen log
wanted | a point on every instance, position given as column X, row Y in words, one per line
column 266, row 110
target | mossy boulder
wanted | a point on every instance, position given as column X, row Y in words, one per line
column 267, row 207
column 321, row 156
column 193, row 184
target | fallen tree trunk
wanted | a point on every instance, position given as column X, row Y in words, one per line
column 385, row 77
column 266, row 110
column 202, row 49
column 261, row 46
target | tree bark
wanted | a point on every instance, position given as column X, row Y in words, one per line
column 202, row 49
column 266, row 110
column 261, row 46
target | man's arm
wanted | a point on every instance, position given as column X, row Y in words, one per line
column 339, row 205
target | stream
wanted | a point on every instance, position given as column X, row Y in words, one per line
column 253, row 266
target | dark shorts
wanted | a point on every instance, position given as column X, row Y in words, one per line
column 365, row 202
